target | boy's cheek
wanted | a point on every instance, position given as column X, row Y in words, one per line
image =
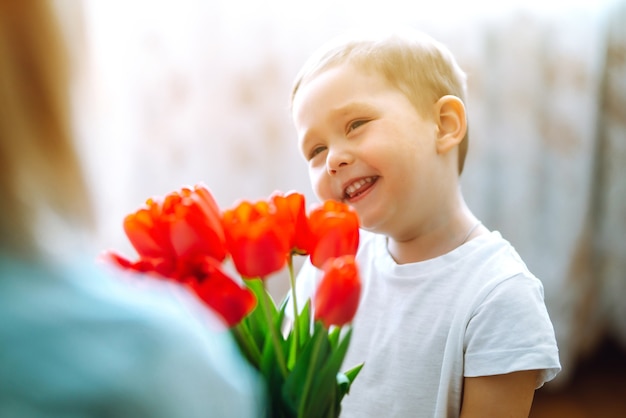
column 320, row 184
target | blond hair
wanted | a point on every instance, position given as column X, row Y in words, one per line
column 423, row 69
column 40, row 173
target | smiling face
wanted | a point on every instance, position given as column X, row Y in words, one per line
column 368, row 146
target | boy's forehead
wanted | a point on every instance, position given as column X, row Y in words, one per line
column 330, row 90
column 339, row 75
column 336, row 93
column 348, row 65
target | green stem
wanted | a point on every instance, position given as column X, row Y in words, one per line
column 292, row 282
column 247, row 344
column 309, row 378
column 270, row 323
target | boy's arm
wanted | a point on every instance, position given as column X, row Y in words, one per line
column 504, row 395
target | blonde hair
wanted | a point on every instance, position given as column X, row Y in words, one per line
column 40, row 174
column 423, row 69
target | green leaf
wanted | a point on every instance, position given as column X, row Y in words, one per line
column 306, row 382
column 280, row 318
column 256, row 321
column 303, row 323
column 344, row 382
column 283, row 303
column 257, row 286
column 339, row 353
column 274, row 379
column 353, row 372
column 324, row 388
column 333, row 337
column 301, row 328
column 314, row 354
column 247, row 344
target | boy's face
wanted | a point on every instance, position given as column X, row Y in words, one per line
column 367, row 145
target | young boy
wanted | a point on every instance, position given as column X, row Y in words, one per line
column 451, row 322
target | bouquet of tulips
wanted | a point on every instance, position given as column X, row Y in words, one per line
column 185, row 237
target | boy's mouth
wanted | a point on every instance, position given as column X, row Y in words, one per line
column 358, row 187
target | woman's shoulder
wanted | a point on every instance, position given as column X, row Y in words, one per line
column 114, row 334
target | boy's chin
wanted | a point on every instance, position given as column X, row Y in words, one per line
column 372, row 220
column 366, row 224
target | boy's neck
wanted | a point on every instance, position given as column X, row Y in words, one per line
column 436, row 242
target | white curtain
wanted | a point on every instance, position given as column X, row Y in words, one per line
column 548, row 160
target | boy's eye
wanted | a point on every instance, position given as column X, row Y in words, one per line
column 316, row 151
column 355, row 124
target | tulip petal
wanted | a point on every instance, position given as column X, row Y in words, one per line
column 291, row 210
column 222, row 294
column 334, row 232
column 337, row 297
column 146, row 235
column 191, row 233
column 256, row 240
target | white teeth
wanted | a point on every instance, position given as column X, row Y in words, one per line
column 354, row 187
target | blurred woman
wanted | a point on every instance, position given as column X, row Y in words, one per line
column 74, row 342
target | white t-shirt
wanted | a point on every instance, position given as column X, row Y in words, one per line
column 421, row 327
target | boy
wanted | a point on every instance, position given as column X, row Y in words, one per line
column 451, row 323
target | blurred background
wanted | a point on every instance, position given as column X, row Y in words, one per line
column 172, row 93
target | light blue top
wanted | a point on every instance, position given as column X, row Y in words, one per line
column 77, row 343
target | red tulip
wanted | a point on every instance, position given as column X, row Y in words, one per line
column 256, row 239
column 290, row 209
column 173, row 232
column 222, row 294
column 337, row 297
column 195, row 223
column 334, row 231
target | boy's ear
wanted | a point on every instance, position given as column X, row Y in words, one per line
column 451, row 123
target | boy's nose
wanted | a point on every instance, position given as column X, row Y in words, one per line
column 336, row 160
column 333, row 170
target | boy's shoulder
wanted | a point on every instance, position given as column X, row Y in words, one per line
column 489, row 253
